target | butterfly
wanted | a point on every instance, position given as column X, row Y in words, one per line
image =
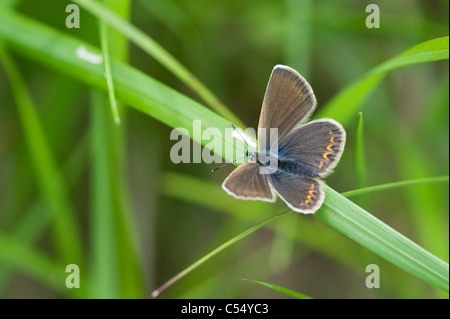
column 305, row 154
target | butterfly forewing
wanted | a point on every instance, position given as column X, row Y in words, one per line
column 245, row 182
column 318, row 144
column 289, row 99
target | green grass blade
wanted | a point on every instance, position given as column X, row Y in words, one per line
column 331, row 244
column 428, row 51
column 297, row 54
column 286, row 291
column 423, row 198
column 208, row 256
column 176, row 110
column 132, row 86
column 177, row 183
column 52, row 186
column 9, row 3
column 370, row 232
column 299, row 16
column 360, row 160
column 35, row 222
column 382, row 187
column 346, row 103
column 17, row 255
column 104, row 259
column 128, row 250
column 107, row 65
column 160, row 54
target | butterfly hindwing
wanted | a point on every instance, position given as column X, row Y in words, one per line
column 245, row 182
column 288, row 100
column 318, row 144
column 302, row 194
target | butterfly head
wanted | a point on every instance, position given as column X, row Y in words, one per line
column 252, row 156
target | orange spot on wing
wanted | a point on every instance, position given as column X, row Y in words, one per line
column 325, row 155
column 329, row 148
column 332, row 139
column 331, row 133
column 309, row 197
column 321, row 164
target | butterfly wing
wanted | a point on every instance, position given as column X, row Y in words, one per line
column 245, row 182
column 288, row 100
column 318, row 144
column 301, row 194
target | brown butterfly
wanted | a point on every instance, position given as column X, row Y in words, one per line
column 306, row 154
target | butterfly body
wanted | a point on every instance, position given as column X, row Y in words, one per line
column 296, row 168
column 305, row 154
column 284, row 164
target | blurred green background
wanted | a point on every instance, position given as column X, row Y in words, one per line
column 134, row 219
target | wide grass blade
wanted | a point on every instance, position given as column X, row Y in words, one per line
column 372, row 233
column 129, row 250
column 356, row 224
column 34, row 222
column 65, row 225
column 160, row 54
column 9, row 3
column 346, row 103
column 132, row 86
column 176, row 110
column 298, row 47
column 104, row 272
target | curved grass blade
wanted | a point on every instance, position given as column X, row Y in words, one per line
column 18, row 255
column 332, row 244
column 133, row 87
column 205, row 258
column 66, row 229
column 372, row 233
column 428, row 51
column 359, row 223
column 35, row 222
column 382, row 187
column 360, row 160
column 286, row 291
column 170, row 107
column 160, row 54
column 107, row 65
column 345, row 104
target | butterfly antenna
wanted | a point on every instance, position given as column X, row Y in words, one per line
column 215, row 169
column 234, row 127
